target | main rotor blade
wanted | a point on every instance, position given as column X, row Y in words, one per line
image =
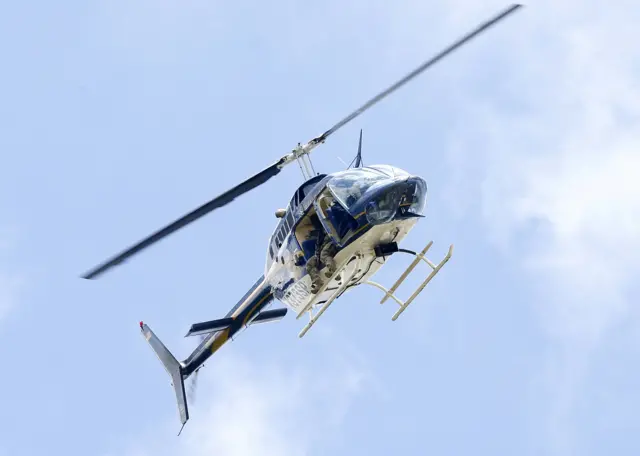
column 468, row 37
column 219, row 201
column 266, row 174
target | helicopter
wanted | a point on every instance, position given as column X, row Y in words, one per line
column 362, row 212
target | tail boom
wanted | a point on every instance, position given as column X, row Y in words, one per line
column 249, row 310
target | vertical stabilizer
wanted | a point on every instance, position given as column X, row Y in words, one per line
column 173, row 367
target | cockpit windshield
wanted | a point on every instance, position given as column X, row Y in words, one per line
column 390, row 171
column 348, row 186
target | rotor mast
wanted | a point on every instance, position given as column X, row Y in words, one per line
column 303, row 157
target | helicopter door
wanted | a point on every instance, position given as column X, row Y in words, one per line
column 333, row 217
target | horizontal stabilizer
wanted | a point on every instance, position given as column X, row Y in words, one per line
column 270, row 315
column 207, row 327
column 173, row 367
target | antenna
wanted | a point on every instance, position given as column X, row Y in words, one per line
column 359, row 156
column 358, row 159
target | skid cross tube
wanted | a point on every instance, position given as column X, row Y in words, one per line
column 418, row 257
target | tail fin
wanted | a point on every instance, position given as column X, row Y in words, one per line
column 173, row 367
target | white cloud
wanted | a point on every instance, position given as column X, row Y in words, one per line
column 570, row 165
column 545, row 149
column 248, row 408
column 558, row 176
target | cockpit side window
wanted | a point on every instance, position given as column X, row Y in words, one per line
column 335, row 218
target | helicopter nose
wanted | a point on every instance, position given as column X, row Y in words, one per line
column 384, row 206
column 416, row 197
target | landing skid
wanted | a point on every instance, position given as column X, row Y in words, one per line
column 350, row 271
column 419, row 256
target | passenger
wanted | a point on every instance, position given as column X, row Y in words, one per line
column 323, row 256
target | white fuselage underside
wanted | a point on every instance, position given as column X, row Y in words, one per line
column 359, row 254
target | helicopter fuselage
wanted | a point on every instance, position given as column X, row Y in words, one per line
column 360, row 211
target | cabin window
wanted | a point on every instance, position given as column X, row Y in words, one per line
column 306, row 227
column 289, row 221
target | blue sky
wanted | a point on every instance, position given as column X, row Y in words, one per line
column 118, row 116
